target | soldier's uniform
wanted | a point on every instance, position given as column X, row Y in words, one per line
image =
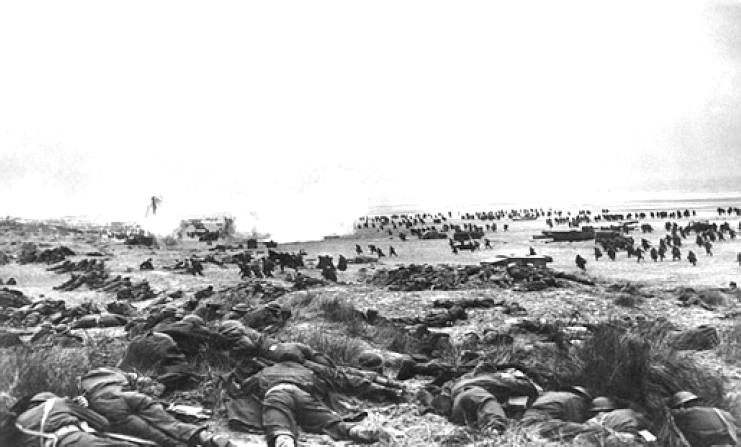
column 701, row 425
column 478, row 398
column 293, row 395
column 112, row 393
column 54, row 419
column 559, row 414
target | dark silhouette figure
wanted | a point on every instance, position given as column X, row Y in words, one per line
column 692, row 258
column 581, row 263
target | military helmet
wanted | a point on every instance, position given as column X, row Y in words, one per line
column 61, row 328
column 170, row 309
column 241, row 307
column 213, row 304
column 370, row 360
column 42, row 397
column 232, row 325
column 46, row 325
column 681, row 397
column 274, row 306
column 471, row 336
column 194, row 319
column 580, row 390
column 602, row 403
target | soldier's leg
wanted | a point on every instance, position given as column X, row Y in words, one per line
column 116, row 409
column 478, row 408
column 279, row 415
column 315, row 417
column 151, row 417
column 78, row 438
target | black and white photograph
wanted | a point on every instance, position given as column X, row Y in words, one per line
column 394, row 223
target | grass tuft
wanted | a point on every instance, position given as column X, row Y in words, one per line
column 25, row 372
column 626, row 300
column 342, row 349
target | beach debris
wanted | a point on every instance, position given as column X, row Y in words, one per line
column 30, row 254
column 13, row 298
column 84, row 265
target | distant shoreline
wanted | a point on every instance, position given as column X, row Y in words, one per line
column 669, row 201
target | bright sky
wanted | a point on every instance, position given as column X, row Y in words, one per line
column 307, row 113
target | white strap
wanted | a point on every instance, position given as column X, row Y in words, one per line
column 48, row 405
column 51, row 439
column 729, row 426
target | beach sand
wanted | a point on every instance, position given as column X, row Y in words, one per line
column 659, row 280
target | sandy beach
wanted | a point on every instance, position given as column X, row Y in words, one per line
column 658, row 280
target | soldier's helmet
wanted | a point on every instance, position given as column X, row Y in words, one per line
column 370, row 361
column 241, row 307
column 46, row 325
column 194, row 319
column 61, row 328
column 681, row 397
column 602, row 403
column 580, row 390
column 42, row 397
column 275, row 307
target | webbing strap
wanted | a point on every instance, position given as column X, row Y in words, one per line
column 729, row 426
column 48, row 405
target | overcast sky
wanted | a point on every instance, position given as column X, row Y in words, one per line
column 328, row 108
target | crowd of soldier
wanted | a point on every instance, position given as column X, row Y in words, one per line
column 706, row 235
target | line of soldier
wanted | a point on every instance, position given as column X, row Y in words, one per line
column 490, row 397
column 704, row 239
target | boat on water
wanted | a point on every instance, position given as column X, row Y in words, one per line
column 503, row 260
column 584, row 234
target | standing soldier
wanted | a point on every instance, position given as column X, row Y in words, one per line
column 654, row 254
column 708, row 248
column 699, row 241
column 245, row 271
column 392, row 252
column 342, row 263
column 196, row 267
column 611, row 253
column 639, row 254
column 676, row 254
column 692, row 258
column 267, row 267
column 581, row 263
column 662, row 252
column 597, row 253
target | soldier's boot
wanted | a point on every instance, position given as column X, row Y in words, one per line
column 492, row 428
column 368, row 435
column 284, row 441
column 208, row 439
column 408, row 369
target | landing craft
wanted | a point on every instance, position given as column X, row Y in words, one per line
column 585, row 234
column 502, row 260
